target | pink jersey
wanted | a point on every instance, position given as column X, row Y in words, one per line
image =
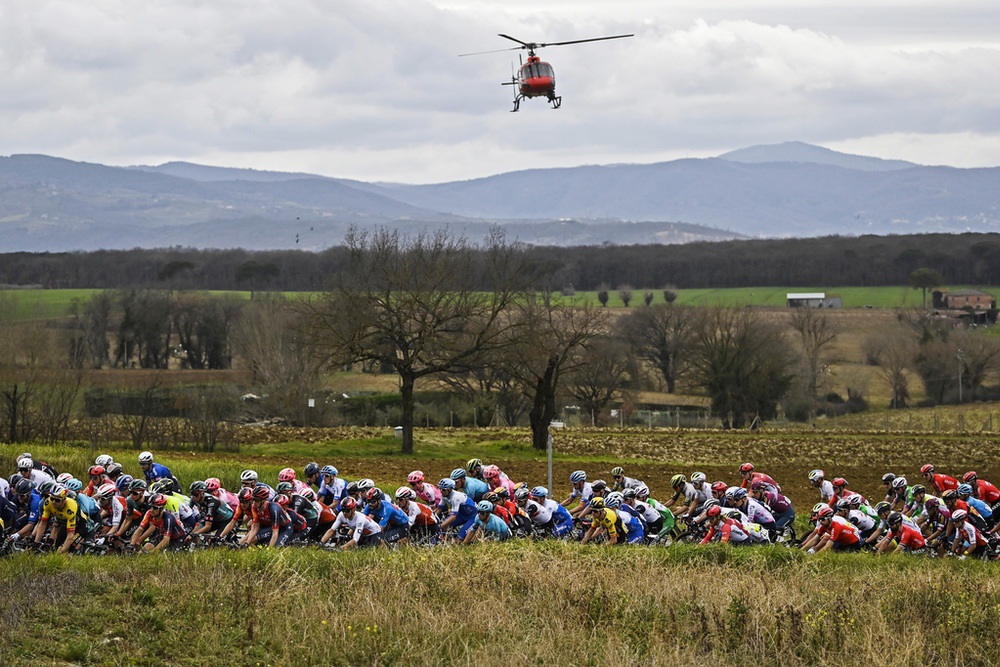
column 429, row 493
column 503, row 481
column 228, row 498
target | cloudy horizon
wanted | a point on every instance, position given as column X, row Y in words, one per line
column 375, row 90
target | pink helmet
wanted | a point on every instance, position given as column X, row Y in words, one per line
column 415, row 477
column 286, row 475
column 212, row 484
column 491, row 472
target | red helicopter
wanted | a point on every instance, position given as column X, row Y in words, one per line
column 536, row 78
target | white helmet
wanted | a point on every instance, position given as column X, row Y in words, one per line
column 146, row 457
column 248, row 476
column 104, row 460
column 24, row 463
column 365, row 484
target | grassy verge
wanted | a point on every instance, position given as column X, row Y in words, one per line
column 552, row 604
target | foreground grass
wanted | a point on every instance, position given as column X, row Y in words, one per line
column 546, row 603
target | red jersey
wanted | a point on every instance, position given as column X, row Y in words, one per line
column 425, row 515
column 988, row 493
column 326, row 515
column 759, row 477
column 841, row 531
column 944, row 483
column 908, row 537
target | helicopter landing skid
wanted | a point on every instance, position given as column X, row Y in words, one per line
column 556, row 102
column 517, row 103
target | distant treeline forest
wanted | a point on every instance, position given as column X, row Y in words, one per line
column 829, row 261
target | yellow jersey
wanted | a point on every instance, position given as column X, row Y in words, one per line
column 67, row 515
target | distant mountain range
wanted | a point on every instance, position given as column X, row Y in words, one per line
column 790, row 189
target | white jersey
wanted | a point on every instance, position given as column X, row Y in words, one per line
column 412, row 512
column 4, row 488
column 585, row 494
column 455, row 501
column 826, row 491
column 704, row 494
column 647, row 511
column 39, row 477
column 359, row 524
column 540, row 514
column 861, row 520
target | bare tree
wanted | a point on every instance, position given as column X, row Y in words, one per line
column 661, row 336
column 423, row 306
column 816, row 334
column 893, row 351
column 603, row 372
column 625, row 293
column 647, row 297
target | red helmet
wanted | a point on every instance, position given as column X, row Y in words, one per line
column 824, row 511
column 348, row 503
column 719, row 487
column 96, row 470
column 491, row 472
column 261, row 493
column 245, row 494
column 839, row 482
column 714, row 510
column 286, row 475
column 373, row 495
column 106, row 490
column 970, row 477
column 415, row 477
column 158, row 500
column 746, row 467
column 212, row 484
column 282, row 499
column 925, row 469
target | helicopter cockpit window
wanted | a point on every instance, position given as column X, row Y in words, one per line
column 538, row 69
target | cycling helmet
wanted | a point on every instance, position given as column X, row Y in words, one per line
column 213, row 484
column 965, row 489
column 484, row 506
column 950, row 494
column 286, row 475
column 282, row 499
column 261, row 493
column 284, row 487
column 23, row 486
column 628, row 494
column 698, row 477
column 245, row 494
column 415, row 477
column 25, row 463
column 45, row 488
column 642, row 491
column 678, row 480
column 825, row 511
column 96, row 471
column 970, row 477
column 895, row 519
column 736, row 494
column 374, row 495
column 146, row 457
column 539, row 492
column 855, row 500
column 473, row 465
column 959, row 515
column 757, row 485
column 311, row 469
column 843, row 504
column 158, row 500
column 888, row 478
column 458, row 473
column 405, row 493
column 137, row 485
column 447, row 484
column 520, row 494
column 124, row 482
column 578, row 476
column 599, row 485
column 352, row 488
column 719, row 487
column 711, row 502
column 882, row 507
column 816, row 475
column 364, row 484
column 197, row 486
column 164, row 486
column 348, row 504
column 925, row 469
column 932, row 502
column 614, row 500
column 59, row 492
column 919, row 489
column 899, row 483
column 491, row 496
column 74, row 485
column 597, row 503
column 491, row 472
column 501, row 492
column 113, row 469
column 63, row 477
column 248, row 476
column 714, row 511
column 308, row 494
column 818, row 506
column 839, row 482
column 746, row 467
column 103, row 460
column 618, row 471
column 105, row 490
column 330, row 470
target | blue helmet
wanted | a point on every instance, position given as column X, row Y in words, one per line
column 458, row 473
column 74, row 484
column 329, row 470
column 578, row 476
column 540, row 492
column 124, row 481
column 484, row 506
column 446, row 484
column 965, row 489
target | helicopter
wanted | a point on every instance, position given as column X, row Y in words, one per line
column 536, row 78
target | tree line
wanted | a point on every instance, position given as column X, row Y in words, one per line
column 829, row 261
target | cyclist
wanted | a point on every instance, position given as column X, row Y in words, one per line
column 644, row 503
column 66, row 513
column 754, row 510
column 636, row 531
column 487, row 525
column 97, row 478
column 582, row 492
column 89, row 510
column 242, row 514
column 840, row 490
column 496, row 478
column 818, row 479
column 475, row 469
column 214, row 487
column 160, row 521
column 270, row 523
column 135, row 507
column 983, row 490
column 177, row 503
column 899, row 493
column 249, row 479
column 312, row 474
column 423, row 522
column 682, row 490
column 298, row 502
column 865, row 524
column 561, row 524
column 750, row 476
column 156, row 471
column 887, row 480
column 459, row 507
column 730, row 530
column 393, row 521
column 623, row 482
column 968, row 540
column 427, row 492
column 836, row 533
column 701, row 487
column 941, row 483
column 977, row 507
column 778, row 505
column 113, row 508
column 215, row 514
column 605, row 521
column 28, row 503
column 914, row 506
column 332, row 489
column 288, row 475
column 473, row 487
column 363, row 531
column 26, row 467
column 907, row 539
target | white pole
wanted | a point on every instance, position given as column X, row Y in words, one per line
column 549, row 448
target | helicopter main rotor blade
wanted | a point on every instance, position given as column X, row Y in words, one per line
column 479, row 53
column 581, row 41
column 524, row 45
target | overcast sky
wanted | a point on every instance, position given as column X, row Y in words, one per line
column 374, row 90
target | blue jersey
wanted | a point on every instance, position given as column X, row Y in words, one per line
column 494, row 526
column 476, row 488
column 387, row 514
column 984, row 510
column 33, row 507
column 90, row 511
column 157, row 471
column 635, row 515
